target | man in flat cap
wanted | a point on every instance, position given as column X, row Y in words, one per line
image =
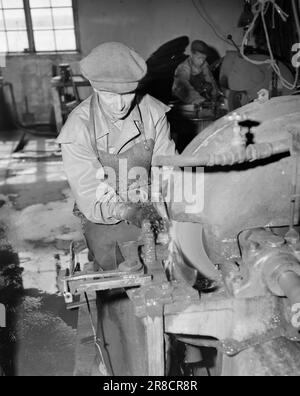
column 193, row 81
column 111, row 135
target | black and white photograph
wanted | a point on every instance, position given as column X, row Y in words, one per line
column 149, row 191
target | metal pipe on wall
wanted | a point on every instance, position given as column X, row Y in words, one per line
column 296, row 15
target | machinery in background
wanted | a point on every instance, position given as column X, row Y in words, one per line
column 249, row 70
column 187, row 121
column 241, row 81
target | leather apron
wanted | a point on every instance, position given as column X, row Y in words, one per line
column 101, row 239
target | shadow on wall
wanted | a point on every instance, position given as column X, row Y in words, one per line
column 162, row 65
column 161, row 68
column 212, row 55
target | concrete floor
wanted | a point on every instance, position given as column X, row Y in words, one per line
column 36, row 215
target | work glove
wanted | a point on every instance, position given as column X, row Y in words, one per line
column 137, row 213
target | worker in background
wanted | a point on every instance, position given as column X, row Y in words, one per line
column 193, row 81
column 114, row 124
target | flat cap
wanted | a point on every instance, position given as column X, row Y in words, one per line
column 199, row 46
column 114, row 67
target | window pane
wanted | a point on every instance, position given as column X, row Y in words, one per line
column 44, row 40
column 12, row 3
column 63, row 18
column 39, row 3
column 15, row 19
column 17, row 41
column 61, row 3
column 42, row 19
column 65, row 40
column 3, row 47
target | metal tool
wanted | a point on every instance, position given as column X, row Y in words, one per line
column 75, row 282
column 83, row 283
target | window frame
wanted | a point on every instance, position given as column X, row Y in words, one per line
column 8, row 30
column 30, row 33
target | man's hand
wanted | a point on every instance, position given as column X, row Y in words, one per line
column 137, row 213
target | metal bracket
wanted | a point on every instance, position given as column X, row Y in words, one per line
column 232, row 347
column 99, row 281
column 236, row 324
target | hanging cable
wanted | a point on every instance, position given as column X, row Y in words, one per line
column 209, row 23
column 296, row 15
column 102, row 366
column 260, row 9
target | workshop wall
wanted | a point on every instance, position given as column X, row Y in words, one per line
column 147, row 24
column 142, row 24
column 31, row 76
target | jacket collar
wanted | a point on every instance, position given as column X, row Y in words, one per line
column 132, row 126
column 131, row 129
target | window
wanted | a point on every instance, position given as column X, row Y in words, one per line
column 37, row 26
column 53, row 25
column 13, row 28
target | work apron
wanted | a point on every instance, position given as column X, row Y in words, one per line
column 120, row 330
column 101, row 239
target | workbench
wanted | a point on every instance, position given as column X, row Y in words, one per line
column 63, row 99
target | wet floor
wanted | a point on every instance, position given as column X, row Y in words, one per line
column 36, row 228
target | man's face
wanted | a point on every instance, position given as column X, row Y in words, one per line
column 116, row 105
column 198, row 59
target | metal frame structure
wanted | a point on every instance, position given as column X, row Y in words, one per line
column 246, row 313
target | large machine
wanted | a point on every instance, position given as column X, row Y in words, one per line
column 247, row 229
column 241, row 80
column 221, row 294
